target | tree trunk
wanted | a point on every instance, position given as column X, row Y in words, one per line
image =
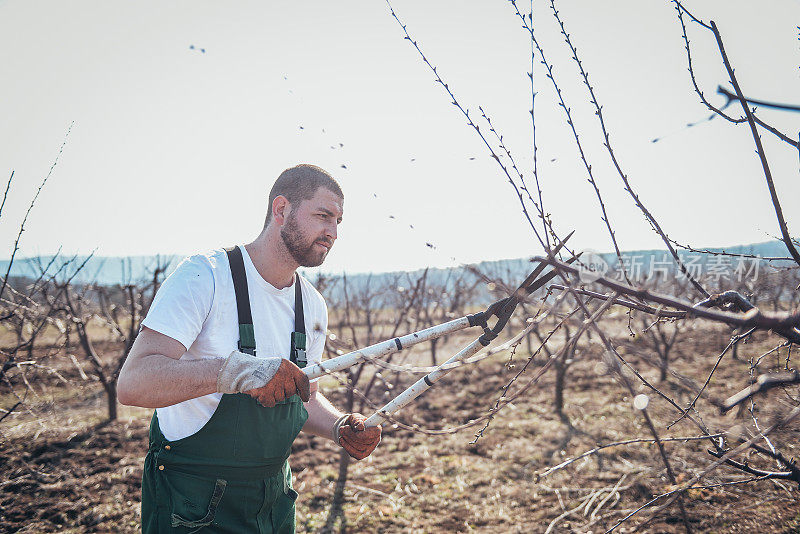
column 336, row 511
column 529, row 341
column 558, row 401
column 111, row 398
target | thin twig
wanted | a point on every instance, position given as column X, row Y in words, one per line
column 734, row 341
column 570, row 122
column 607, row 143
column 689, row 484
column 33, row 201
column 5, row 195
column 470, row 122
column 599, row 448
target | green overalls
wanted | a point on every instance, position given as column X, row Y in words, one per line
column 232, row 475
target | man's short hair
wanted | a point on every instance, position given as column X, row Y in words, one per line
column 300, row 183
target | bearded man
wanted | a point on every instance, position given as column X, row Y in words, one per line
column 219, row 357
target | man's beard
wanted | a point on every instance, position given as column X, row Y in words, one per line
column 299, row 246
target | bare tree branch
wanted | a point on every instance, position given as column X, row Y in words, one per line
column 761, row 154
column 763, row 384
column 730, row 96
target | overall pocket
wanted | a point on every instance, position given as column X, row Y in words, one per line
column 282, row 513
column 267, row 433
column 277, row 514
column 193, row 500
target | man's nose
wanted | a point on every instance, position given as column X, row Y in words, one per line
column 331, row 231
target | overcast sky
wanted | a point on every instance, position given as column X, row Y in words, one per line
column 184, row 112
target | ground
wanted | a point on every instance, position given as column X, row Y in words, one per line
column 66, row 470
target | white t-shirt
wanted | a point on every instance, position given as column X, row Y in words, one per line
column 196, row 306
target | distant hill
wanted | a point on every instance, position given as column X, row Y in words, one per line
column 105, row 270
column 114, row 270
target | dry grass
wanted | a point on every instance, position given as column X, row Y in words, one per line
column 66, row 472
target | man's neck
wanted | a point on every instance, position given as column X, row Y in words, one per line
column 271, row 259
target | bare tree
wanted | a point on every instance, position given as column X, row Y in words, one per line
column 445, row 300
column 106, row 320
column 365, row 314
column 38, row 336
column 19, row 311
column 727, row 306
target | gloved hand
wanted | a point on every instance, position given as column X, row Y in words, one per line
column 359, row 441
column 268, row 380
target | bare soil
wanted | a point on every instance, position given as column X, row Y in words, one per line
column 65, row 470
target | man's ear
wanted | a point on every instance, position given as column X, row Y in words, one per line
column 280, row 209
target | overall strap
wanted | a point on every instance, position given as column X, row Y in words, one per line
column 247, row 335
column 298, row 354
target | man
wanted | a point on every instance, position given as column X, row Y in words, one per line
column 226, row 418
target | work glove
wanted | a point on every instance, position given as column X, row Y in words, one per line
column 358, row 440
column 268, row 380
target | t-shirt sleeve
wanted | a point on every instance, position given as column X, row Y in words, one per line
column 183, row 301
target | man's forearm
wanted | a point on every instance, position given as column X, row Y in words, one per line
column 154, row 376
column 159, row 381
column 321, row 415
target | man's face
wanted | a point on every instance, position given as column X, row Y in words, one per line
column 310, row 227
